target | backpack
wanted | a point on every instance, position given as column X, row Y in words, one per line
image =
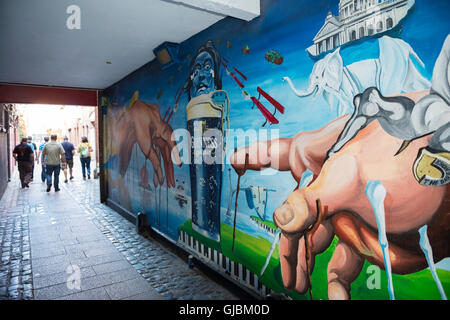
column 84, row 151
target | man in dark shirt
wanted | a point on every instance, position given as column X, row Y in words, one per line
column 69, row 150
column 24, row 156
column 33, row 147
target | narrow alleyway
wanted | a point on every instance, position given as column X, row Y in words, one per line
column 47, row 239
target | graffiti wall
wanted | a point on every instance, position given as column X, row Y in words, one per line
column 306, row 152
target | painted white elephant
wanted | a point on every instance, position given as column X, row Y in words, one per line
column 402, row 118
column 393, row 71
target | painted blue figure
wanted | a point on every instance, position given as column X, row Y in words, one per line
column 204, row 76
column 205, row 125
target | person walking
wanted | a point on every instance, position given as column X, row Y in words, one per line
column 85, row 149
column 33, row 147
column 69, row 152
column 25, row 158
column 40, row 157
column 53, row 154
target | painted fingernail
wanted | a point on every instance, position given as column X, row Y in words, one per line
column 284, row 214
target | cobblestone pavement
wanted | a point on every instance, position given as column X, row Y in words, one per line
column 44, row 236
column 15, row 266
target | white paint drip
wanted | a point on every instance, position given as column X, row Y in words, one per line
column 275, row 241
column 376, row 194
column 428, row 251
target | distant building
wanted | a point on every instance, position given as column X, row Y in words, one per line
column 83, row 124
column 38, row 136
column 358, row 19
column 9, row 138
column 51, row 131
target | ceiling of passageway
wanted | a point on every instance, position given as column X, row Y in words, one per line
column 38, row 48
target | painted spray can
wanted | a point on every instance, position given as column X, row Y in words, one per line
column 205, row 118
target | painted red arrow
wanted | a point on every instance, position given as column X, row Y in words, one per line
column 179, row 95
column 240, row 73
column 165, row 114
column 275, row 103
column 237, row 80
column 170, row 116
column 264, row 111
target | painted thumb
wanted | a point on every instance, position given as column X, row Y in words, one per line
column 294, row 215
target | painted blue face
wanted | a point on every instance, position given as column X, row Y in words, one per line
column 202, row 75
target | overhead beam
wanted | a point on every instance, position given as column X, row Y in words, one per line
column 46, row 95
column 245, row 10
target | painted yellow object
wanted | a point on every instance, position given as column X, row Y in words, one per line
column 202, row 110
column 133, row 100
column 424, row 164
column 203, row 107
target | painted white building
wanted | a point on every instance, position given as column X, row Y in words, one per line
column 358, row 19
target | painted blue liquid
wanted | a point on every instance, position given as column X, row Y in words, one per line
column 428, row 251
column 376, row 194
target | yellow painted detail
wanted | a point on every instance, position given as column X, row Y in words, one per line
column 201, row 107
column 424, row 164
column 134, row 98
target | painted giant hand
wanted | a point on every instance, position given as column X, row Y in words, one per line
column 142, row 124
column 340, row 184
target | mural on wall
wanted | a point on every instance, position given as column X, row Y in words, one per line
column 319, row 171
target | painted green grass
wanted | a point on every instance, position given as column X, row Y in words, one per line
column 187, row 227
column 251, row 252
